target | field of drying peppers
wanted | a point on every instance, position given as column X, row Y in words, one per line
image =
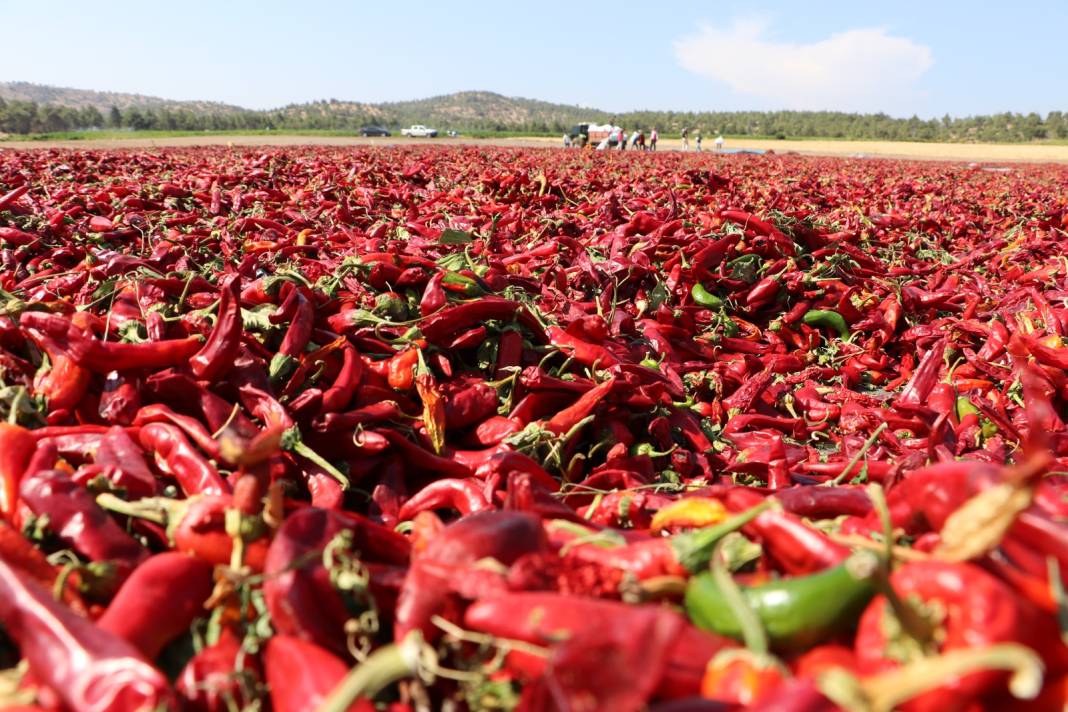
column 460, row 429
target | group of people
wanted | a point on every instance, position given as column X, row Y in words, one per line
column 685, row 133
column 617, row 138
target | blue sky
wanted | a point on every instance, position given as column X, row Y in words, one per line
column 904, row 57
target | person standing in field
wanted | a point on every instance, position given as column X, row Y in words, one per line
column 685, row 139
column 653, row 136
column 697, row 139
column 567, row 140
column 622, row 139
column 634, row 139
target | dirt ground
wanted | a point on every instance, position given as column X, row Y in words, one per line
column 988, row 153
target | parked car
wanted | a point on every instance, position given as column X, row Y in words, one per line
column 374, row 131
column 419, row 131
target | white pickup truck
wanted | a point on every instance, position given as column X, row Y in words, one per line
column 419, row 131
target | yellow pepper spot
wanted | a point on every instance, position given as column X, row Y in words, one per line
column 690, row 512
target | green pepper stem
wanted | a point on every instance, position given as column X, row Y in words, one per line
column 150, row 509
column 858, row 455
column 756, row 638
column 383, row 667
column 1056, row 587
column 295, row 444
column 693, row 549
column 886, row 691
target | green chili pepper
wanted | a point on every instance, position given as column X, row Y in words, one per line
column 461, row 284
column 965, row 407
column 704, row 297
column 830, row 319
column 796, row 612
column 746, row 268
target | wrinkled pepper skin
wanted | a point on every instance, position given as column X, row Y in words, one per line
column 543, row 617
column 75, row 659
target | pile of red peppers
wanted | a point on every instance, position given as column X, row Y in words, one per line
column 423, row 428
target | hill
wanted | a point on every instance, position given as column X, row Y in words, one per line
column 33, row 108
column 466, row 110
column 102, row 101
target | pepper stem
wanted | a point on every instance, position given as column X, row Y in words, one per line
column 693, row 548
column 382, row 668
column 857, row 455
column 756, row 638
column 886, row 691
column 291, row 441
column 151, row 509
column 912, row 623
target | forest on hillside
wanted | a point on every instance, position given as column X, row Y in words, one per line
column 473, row 112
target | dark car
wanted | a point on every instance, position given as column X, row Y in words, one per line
column 374, row 131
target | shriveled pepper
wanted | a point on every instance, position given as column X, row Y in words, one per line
column 220, row 350
column 75, row 659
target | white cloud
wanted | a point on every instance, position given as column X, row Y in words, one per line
column 863, row 69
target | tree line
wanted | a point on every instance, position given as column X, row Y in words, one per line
column 24, row 117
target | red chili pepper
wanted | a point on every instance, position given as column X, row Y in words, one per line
column 120, row 400
column 969, row 606
column 106, row 356
column 402, row 369
column 440, row 326
column 177, row 458
column 301, row 322
column 159, row 601
column 741, row 678
column 382, row 410
column 191, row 427
column 21, row 555
column 417, row 457
column 470, row 404
column 319, row 673
column 76, row 518
column 466, row 496
column 339, row 395
column 297, row 590
column 743, row 398
column 8, row 199
column 797, row 548
column 220, row 350
column 75, row 659
column 442, row 566
column 542, row 618
column 16, row 446
column 923, row 379
column 571, row 416
column 217, row 676
column 509, row 352
column 584, row 352
column 433, row 295
column 65, row 383
column 16, row 237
